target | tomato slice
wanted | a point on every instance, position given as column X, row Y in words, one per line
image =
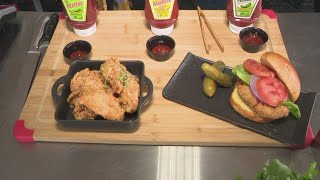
column 271, row 91
column 257, row 68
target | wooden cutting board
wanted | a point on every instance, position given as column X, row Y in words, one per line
column 123, row 34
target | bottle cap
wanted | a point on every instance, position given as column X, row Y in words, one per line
column 163, row 31
column 86, row 32
column 236, row 29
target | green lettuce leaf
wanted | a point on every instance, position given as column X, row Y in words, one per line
column 240, row 72
column 293, row 108
column 275, row 170
column 308, row 175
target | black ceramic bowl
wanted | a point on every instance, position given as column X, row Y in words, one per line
column 253, row 39
column 77, row 50
column 64, row 113
column 160, row 48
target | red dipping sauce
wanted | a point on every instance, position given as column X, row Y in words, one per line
column 79, row 54
column 252, row 39
column 161, row 49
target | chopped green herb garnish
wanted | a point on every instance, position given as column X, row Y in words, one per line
column 123, row 77
column 106, row 84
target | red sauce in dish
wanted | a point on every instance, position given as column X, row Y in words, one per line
column 252, row 39
column 161, row 49
column 78, row 54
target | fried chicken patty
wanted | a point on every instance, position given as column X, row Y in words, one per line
column 260, row 108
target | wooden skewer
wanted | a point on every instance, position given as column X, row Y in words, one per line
column 206, row 21
column 203, row 32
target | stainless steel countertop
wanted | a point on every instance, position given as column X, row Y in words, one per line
column 65, row 161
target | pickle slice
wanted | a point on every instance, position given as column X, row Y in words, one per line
column 209, row 86
column 220, row 77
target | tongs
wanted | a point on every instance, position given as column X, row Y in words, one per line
column 215, row 37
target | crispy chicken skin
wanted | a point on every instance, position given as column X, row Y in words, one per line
column 110, row 92
column 245, row 93
column 87, row 80
column 103, row 104
column 129, row 97
column 86, row 84
column 82, row 112
column 114, row 73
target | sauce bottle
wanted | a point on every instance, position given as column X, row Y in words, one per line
column 161, row 15
column 242, row 13
column 82, row 16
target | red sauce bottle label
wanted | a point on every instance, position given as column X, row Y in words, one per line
column 76, row 9
column 244, row 8
column 161, row 9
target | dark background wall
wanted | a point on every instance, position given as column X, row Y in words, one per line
column 276, row 5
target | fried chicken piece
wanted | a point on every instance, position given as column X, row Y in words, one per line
column 73, row 98
column 87, row 81
column 245, row 94
column 115, row 73
column 82, row 112
column 92, row 92
column 271, row 112
column 129, row 97
column 103, row 104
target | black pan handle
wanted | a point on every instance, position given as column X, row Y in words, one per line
column 147, row 82
column 54, row 90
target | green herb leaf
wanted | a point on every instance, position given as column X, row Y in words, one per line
column 240, row 72
column 293, row 108
column 106, row 84
column 308, row 175
column 275, row 170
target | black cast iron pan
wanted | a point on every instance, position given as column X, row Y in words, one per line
column 64, row 115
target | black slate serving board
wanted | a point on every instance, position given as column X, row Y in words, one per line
column 185, row 88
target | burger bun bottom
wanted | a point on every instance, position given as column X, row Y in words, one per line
column 243, row 109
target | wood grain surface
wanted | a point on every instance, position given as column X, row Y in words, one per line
column 123, row 34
